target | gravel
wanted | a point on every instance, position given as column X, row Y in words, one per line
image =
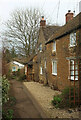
column 44, row 95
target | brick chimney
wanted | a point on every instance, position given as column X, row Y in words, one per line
column 69, row 16
column 43, row 22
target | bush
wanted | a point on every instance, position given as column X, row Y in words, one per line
column 5, row 89
column 62, row 100
column 8, row 115
column 56, row 101
column 22, row 77
column 9, row 75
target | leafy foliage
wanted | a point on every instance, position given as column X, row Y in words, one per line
column 56, row 101
column 8, row 115
column 62, row 100
column 5, row 89
column 22, row 77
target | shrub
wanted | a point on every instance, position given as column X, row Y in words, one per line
column 56, row 100
column 5, row 89
column 8, row 115
column 62, row 100
column 22, row 77
column 9, row 75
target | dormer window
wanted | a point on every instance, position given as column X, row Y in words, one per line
column 54, row 46
column 40, row 48
column 72, row 39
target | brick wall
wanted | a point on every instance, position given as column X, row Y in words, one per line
column 63, row 51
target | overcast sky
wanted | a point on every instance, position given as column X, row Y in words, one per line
column 54, row 9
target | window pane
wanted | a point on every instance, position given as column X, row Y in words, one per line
column 54, row 46
column 40, row 47
column 41, row 70
column 54, row 67
column 73, row 39
column 73, row 70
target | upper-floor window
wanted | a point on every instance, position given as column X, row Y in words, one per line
column 40, row 47
column 72, row 39
column 54, row 67
column 54, row 46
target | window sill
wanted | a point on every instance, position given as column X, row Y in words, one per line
column 40, row 51
column 72, row 46
column 54, row 74
column 41, row 74
column 72, row 79
column 53, row 52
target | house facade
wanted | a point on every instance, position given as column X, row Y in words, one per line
column 65, row 54
column 45, row 32
column 58, row 60
column 59, row 55
column 14, row 66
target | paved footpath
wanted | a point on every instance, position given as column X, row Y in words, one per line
column 25, row 106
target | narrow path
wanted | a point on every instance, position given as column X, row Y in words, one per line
column 24, row 106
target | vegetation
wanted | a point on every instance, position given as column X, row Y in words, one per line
column 56, row 101
column 62, row 100
column 22, row 31
column 5, row 89
column 8, row 115
column 22, row 77
column 8, row 101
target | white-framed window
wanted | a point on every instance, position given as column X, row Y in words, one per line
column 45, row 64
column 41, row 72
column 40, row 47
column 73, row 70
column 54, row 67
column 25, row 69
column 73, row 39
column 13, row 69
column 54, row 46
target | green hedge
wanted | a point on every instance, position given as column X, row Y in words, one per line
column 5, row 89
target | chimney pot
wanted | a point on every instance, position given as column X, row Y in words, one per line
column 69, row 11
column 69, row 16
column 43, row 22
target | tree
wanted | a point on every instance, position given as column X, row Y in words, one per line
column 22, row 31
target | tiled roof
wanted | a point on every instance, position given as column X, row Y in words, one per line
column 30, row 59
column 49, row 30
column 72, row 25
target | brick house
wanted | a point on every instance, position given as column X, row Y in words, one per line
column 57, row 60
column 45, row 32
column 13, row 66
column 64, row 48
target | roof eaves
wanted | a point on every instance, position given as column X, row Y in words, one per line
column 51, row 39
